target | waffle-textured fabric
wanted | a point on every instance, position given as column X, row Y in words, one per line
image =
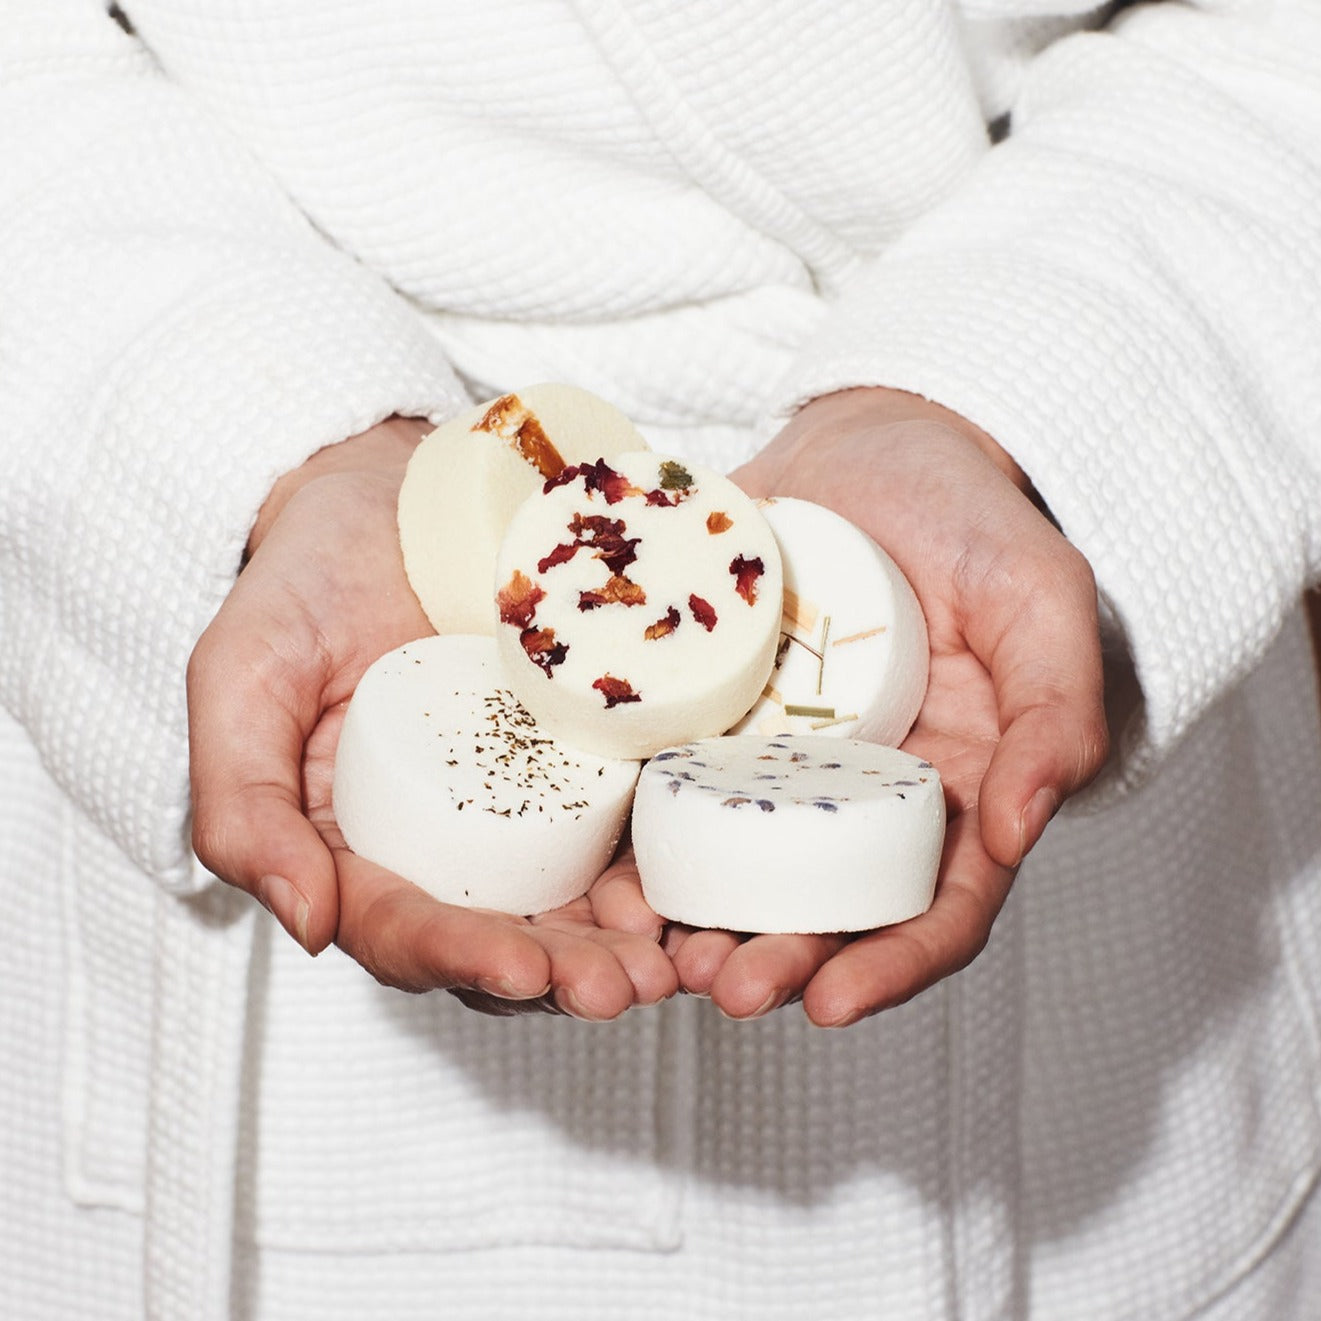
column 233, row 232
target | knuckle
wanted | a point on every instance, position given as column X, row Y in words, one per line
column 379, row 944
column 208, row 841
column 199, row 661
column 1079, row 579
column 1094, row 746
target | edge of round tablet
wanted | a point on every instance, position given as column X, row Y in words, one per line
column 854, row 655
column 790, row 834
column 443, row 778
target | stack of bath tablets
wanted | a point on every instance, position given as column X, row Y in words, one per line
column 773, row 829
column 641, row 607
column 466, row 479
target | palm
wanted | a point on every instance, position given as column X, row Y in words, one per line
column 1012, row 706
column 956, row 730
column 323, row 597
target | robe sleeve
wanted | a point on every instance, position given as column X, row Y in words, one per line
column 174, row 335
column 1126, row 294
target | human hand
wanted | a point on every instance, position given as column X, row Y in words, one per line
column 322, row 595
column 1012, row 717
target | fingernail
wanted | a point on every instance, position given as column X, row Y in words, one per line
column 1036, row 816
column 571, row 1005
column 772, row 1001
column 845, row 1020
column 288, row 905
column 505, row 989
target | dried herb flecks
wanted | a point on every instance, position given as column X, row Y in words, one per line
column 674, row 476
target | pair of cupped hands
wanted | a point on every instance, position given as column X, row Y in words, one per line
column 1012, row 719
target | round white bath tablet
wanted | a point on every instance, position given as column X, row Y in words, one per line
column 792, row 834
column 853, row 655
column 467, row 477
column 639, row 604
column 442, row 777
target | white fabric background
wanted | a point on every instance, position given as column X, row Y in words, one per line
column 254, row 228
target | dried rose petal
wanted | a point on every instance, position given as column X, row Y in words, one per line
column 607, row 539
column 746, row 572
column 663, row 498
column 537, row 448
column 617, row 552
column 663, row 627
column 587, row 527
column 703, row 612
column 717, row 521
column 562, row 553
column 518, row 599
column 600, row 476
column 562, row 478
column 510, row 418
column 615, row 690
column 503, row 415
column 618, row 591
column 542, row 649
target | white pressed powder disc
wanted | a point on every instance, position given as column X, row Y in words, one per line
column 442, row 777
column 853, row 655
column 790, row 834
column 639, row 603
column 467, row 477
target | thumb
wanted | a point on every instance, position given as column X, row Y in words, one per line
column 250, row 712
column 1046, row 670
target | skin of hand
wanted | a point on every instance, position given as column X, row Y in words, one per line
column 321, row 595
column 1012, row 718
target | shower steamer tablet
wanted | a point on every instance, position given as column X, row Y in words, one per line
column 467, row 477
column 793, row 834
column 639, row 604
column 442, row 777
column 853, row 653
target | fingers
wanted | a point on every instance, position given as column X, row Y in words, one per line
column 887, row 967
column 617, row 901
column 598, row 972
column 766, row 972
column 748, row 976
column 409, row 940
column 494, row 962
column 1045, row 664
column 248, row 719
column 699, row 956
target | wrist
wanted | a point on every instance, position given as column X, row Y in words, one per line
column 383, row 448
column 879, row 406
